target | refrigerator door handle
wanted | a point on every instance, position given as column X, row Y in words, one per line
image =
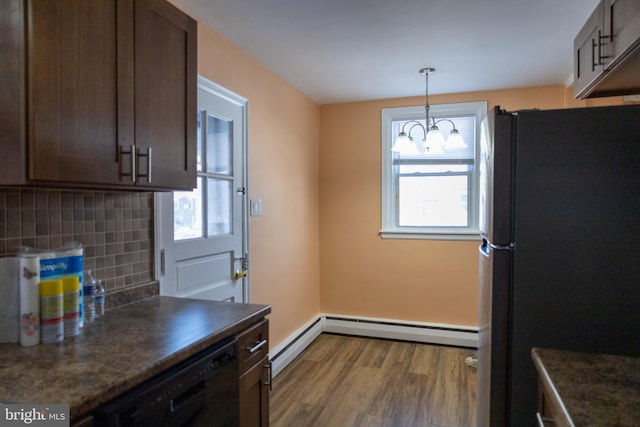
column 509, row 247
column 487, row 246
column 484, row 248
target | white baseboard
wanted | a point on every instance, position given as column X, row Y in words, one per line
column 403, row 331
column 430, row 333
column 284, row 353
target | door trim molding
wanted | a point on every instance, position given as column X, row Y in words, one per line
column 242, row 102
column 427, row 333
column 215, row 89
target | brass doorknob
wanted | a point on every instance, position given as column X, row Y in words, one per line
column 240, row 274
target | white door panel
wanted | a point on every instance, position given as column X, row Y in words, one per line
column 208, row 278
column 213, row 293
column 200, row 272
column 202, row 234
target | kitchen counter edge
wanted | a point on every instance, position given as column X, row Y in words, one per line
column 590, row 388
column 132, row 344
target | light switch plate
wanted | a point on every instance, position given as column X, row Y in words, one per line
column 255, row 207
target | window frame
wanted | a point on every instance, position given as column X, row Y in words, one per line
column 389, row 194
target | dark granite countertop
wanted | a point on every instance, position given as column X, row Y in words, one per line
column 130, row 345
column 592, row 389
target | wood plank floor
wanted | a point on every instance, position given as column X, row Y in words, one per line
column 350, row 381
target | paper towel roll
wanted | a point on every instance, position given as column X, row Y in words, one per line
column 29, row 300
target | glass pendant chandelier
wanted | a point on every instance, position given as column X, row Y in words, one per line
column 433, row 141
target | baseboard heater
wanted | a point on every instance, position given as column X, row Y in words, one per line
column 290, row 348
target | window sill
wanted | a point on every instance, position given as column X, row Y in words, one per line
column 414, row 235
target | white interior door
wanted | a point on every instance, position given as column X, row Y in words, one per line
column 202, row 234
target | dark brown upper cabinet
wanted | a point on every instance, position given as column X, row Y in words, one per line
column 101, row 94
column 587, row 48
column 607, row 51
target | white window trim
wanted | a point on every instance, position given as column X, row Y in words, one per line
column 389, row 229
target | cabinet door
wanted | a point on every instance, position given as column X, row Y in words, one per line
column 165, row 95
column 12, row 94
column 254, row 395
column 73, row 126
column 588, row 63
column 621, row 28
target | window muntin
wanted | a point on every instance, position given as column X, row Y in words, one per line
column 431, row 195
column 207, row 210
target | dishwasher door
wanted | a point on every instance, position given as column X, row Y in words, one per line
column 202, row 391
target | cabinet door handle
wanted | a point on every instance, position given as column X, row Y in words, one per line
column 257, row 346
column 132, row 161
column 270, row 382
column 149, row 161
column 601, row 57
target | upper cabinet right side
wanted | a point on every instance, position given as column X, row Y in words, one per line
column 607, row 51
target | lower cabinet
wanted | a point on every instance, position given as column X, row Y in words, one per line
column 238, row 393
column 254, row 395
column 255, row 375
column 551, row 412
column 546, row 415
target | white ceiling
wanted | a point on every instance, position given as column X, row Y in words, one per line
column 353, row 50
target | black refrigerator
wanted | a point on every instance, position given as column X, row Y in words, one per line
column 560, row 255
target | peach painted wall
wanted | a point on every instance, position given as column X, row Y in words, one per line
column 364, row 275
column 316, row 248
column 283, row 173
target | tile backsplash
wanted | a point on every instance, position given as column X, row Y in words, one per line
column 115, row 229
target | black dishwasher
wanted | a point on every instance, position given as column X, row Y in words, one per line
column 201, row 391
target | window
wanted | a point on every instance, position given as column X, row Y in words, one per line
column 212, row 198
column 431, row 196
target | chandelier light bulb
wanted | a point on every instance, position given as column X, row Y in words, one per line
column 435, row 141
column 455, row 141
column 404, row 144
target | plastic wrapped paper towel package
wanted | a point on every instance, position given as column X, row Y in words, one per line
column 29, row 273
column 25, row 271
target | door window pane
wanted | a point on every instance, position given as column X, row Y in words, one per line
column 206, row 211
column 218, row 206
column 187, row 213
column 219, row 144
column 433, row 201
